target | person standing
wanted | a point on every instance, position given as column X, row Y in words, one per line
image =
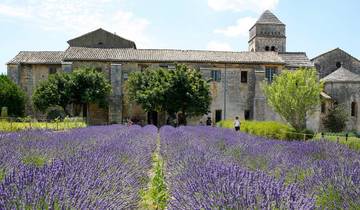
column 237, row 124
column 208, row 121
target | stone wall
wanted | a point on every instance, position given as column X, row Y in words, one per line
column 345, row 93
column 327, row 63
column 28, row 77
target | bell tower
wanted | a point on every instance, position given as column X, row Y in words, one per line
column 268, row 34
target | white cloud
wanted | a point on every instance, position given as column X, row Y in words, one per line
column 241, row 28
column 257, row 6
column 76, row 17
column 219, row 46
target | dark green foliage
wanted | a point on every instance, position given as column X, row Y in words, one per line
column 180, row 90
column 12, row 97
column 89, row 86
column 56, row 91
column 55, row 113
column 149, row 88
column 82, row 86
column 188, row 93
column 336, row 118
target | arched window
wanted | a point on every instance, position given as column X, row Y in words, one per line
column 273, row 48
column 338, row 64
column 353, row 109
column 267, row 48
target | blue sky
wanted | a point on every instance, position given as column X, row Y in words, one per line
column 313, row 26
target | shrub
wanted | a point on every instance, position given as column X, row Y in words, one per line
column 4, row 112
column 336, row 118
column 12, row 97
column 55, row 112
column 268, row 129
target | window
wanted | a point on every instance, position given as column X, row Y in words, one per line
column 125, row 76
column 243, row 76
column 338, row 64
column 216, row 75
column 52, row 70
column 165, row 66
column 273, row 48
column 269, row 73
column 267, row 48
column 100, row 43
column 98, row 69
column 353, row 109
column 218, row 115
column 323, row 107
column 247, row 114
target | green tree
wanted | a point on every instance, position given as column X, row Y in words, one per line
column 336, row 118
column 180, row 90
column 12, row 97
column 56, row 91
column 89, row 86
column 294, row 94
column 82, row 86
column 188, row 93
column 149, row 88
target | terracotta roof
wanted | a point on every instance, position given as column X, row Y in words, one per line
column 268, row 17
column 166, row 55
column 342, row 75
column 296, row 59
column 38, row 57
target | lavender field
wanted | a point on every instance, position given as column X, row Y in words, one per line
column 113, row 167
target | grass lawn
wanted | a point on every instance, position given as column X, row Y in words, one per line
column 6, row 126
column 352, row 142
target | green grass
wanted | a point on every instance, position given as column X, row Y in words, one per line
column 35, row 160
column 352, row 142
column 156, row 196
column 6, row 126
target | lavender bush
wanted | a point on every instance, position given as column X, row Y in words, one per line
column 91, row 168
column 217, row 168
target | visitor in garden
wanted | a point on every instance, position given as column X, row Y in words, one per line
column 237, row 124
column 208, row 121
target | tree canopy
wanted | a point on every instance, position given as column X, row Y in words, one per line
column 55, row 91
column 12, row 97
column 82, row 86
column 180, row 90
column 294, row 94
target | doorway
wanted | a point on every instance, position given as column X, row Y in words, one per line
column 218, row 115
column 153, row 118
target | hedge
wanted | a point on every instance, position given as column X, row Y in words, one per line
column 268, row 129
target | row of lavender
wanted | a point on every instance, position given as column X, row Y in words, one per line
column 91, row 168
column 215, row 168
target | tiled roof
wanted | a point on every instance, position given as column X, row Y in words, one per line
column 164, row 55
column 342, row 75
column 38, row 57
column 268, row 17
column 296, row 59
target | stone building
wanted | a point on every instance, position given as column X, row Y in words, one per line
column 340, row 73
column 236, row 77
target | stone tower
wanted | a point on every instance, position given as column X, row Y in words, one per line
column 268, row 34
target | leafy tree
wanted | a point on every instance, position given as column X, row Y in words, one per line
column 89, row 86
column 149, row 88
column 180, row 90
column 82, row 86
column 56, row 91
column 294, row 94
column 12, row 97
column 336, row 118
column 188, row 93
